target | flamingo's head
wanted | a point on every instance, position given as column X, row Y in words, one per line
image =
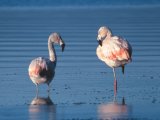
column 103, row 32
column 57, row 39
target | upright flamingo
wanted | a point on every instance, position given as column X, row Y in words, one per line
column 42, row 70
column 113, row 50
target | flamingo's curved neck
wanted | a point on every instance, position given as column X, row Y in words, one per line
column 52, row 54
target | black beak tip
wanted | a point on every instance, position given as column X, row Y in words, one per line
column 100, row 42
column 63, row 46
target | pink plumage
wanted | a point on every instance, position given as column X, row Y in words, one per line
column 113, row 50
column 42, row 70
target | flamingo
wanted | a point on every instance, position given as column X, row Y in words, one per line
column 42, row 70
column 113, row 50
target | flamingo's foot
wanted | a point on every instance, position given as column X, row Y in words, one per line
column 115, row 87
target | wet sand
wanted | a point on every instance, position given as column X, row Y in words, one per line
column 83, row 85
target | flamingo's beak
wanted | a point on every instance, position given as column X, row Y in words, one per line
column 63, row 46
column 100, row 42
column 99, row 38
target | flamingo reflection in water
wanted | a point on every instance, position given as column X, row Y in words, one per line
column 114, row 51
column 114, row 110
column 42, row 108
column 42, row 70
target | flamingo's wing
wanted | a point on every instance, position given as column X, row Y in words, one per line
column 118, row 49
column 38, row 67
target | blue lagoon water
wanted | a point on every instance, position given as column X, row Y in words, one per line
column 77, row 3
column 83, row 85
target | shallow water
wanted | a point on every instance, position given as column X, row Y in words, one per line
column 82, row 83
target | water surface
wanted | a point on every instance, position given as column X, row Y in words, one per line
column 82, row 84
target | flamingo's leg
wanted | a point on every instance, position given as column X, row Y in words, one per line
column 37, row 90
column 49, row 87
column 115, row 83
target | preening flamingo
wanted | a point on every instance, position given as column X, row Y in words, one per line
column 113, row 50
column 42, row 70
